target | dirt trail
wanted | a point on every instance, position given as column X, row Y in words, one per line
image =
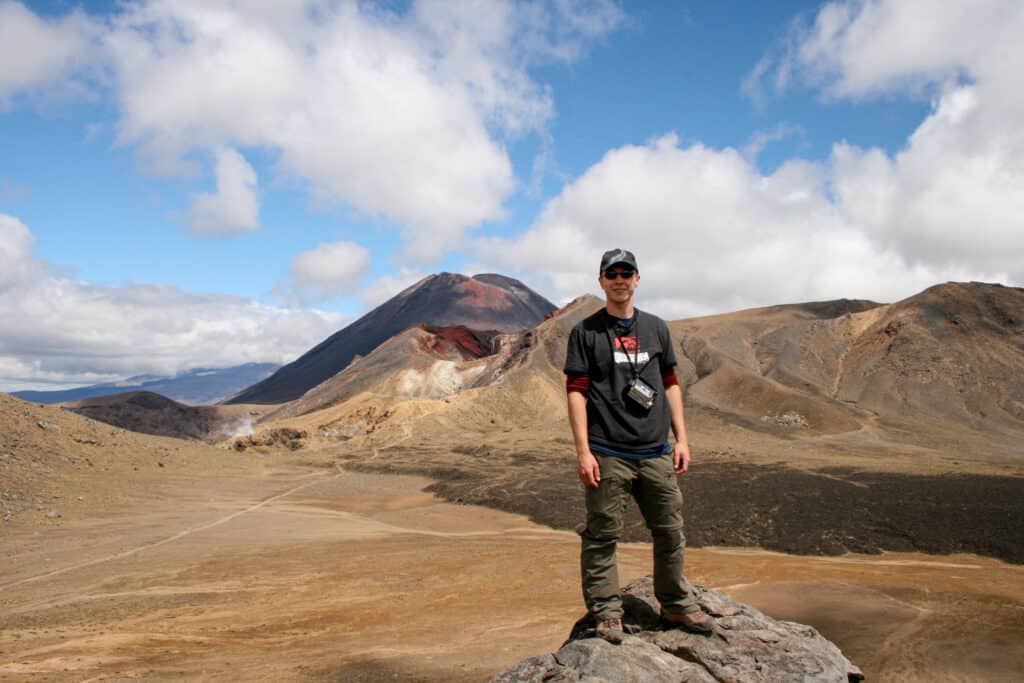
column 292, row 573
column 146, row 546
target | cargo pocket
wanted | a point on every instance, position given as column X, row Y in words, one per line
column 604, row 509
column 660, row 500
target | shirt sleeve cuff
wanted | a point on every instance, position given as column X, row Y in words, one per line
column 580, row 383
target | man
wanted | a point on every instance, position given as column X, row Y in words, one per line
column 623, row 395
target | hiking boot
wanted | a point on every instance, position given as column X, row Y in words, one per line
column 696, row 621
column 610, row 630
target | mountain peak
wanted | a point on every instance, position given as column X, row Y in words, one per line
column 483, row 302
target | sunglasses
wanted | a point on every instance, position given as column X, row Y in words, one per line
column 624, row 274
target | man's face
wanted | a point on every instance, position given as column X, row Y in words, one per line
column 618, row 288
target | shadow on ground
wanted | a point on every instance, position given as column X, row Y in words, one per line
column 827, row 511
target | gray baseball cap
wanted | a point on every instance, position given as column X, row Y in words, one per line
column 614, row 256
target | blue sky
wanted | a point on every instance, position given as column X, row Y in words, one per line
column 200, row 184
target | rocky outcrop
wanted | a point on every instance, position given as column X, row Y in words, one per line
column 746, row 646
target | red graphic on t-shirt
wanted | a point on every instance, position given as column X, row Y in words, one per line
column 627, row 344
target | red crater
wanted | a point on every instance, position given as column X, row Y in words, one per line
column 468, row 343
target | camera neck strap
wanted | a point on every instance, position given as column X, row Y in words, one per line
column 633, row 360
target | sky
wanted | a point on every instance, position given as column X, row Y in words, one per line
column 204, row 183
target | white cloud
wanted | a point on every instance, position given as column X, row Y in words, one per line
column 16, row 242
column 856, row 49
column 762, row 138
column 35, row 52
column 404, row 116
column 712, row 233
column 15, row 245
column 953, row 196
column 235, row 206
column 487, row 45
column 400, row 116
column 330, row 270
column 65, row 331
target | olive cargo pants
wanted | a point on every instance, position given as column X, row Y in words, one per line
column 652, row 483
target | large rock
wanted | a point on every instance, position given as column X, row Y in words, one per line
column 746, row 646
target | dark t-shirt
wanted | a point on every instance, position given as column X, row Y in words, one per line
column 613, row 419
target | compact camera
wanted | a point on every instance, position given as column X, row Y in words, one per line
column 641, row 393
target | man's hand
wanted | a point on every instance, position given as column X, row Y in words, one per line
column 589, row 470
column 681, row 457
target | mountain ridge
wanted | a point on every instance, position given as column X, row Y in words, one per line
column 198, row 386
column 790, row 370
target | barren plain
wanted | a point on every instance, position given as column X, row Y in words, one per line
column 278, row 569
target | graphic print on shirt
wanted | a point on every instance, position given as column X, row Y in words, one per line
column 630, row 346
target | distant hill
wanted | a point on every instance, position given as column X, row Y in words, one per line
column 202, row 386
column 149, row 413
column 952, row 354
column 482, row 302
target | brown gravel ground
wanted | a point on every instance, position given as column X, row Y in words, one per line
column 298, row 572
